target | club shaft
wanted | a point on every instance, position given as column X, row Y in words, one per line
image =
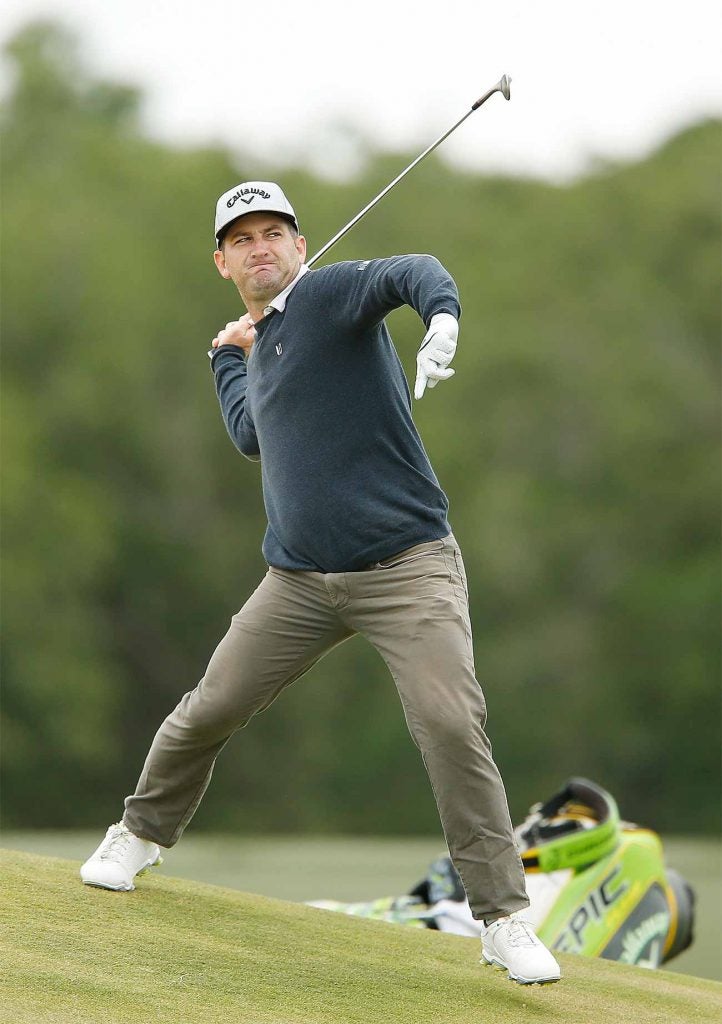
column 419, row 158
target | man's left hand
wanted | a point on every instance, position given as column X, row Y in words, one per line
column 436, row 352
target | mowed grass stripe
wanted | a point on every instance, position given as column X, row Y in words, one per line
column 196, row 954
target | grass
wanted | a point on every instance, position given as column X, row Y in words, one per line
column 186, row 952
column 301, row 868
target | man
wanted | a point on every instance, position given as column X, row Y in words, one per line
column 358, row 541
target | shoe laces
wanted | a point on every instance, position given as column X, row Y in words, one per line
column 520, row 933
column 117, row 842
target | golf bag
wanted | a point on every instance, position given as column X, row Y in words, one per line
column 597, row 886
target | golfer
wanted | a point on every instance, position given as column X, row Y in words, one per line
column 358, row 541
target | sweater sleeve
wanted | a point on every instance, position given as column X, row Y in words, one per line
column 373, row 288
column 231, row 377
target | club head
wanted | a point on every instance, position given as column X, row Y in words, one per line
column 502, row 86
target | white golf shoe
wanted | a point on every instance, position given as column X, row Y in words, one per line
column 119, row 858
column 510, row 943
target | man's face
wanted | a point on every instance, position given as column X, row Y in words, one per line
column 261, row 255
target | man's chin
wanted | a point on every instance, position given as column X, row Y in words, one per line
column 266, row 283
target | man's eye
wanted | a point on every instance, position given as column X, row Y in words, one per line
column 274, row 234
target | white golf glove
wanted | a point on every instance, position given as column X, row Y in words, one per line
column 436, row 352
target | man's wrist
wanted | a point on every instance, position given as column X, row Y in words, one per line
column 445, row 322
column 234, row 349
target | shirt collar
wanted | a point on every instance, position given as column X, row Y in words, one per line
column 279, row 302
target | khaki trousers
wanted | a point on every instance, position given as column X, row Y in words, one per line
column 413, row 608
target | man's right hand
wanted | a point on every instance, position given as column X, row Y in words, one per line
column 240, row 333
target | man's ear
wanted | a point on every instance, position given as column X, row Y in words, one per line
column 221, row 267
column 301, row 247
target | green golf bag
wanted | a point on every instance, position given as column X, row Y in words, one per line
column 615, row 898
column 597, row 886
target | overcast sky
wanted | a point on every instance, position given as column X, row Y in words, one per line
column 281, row 78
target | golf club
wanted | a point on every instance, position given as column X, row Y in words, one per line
column 501, row 86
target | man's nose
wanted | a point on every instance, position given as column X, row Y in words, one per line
column 259, row 247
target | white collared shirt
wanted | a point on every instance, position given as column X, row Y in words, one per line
column 279, row 303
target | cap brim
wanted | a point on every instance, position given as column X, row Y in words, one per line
column 226, row 227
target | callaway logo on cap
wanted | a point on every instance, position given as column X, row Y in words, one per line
column 251, row 197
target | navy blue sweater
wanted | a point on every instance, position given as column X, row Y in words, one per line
column 324, row 403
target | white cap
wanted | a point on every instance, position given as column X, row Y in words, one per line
column 251, row 197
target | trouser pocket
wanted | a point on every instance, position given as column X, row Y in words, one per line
column 459, row 563
column 411, row 554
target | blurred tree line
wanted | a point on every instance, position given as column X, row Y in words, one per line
column 578, row 443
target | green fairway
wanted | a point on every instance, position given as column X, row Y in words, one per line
column 182, row 951
column 359, row 868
